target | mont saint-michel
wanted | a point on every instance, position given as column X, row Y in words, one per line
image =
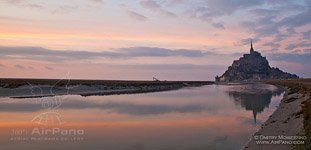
column 252, row 67
column 140, row 74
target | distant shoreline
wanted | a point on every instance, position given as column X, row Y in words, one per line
column 30, row 88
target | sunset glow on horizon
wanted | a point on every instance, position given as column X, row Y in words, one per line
column 171, row 40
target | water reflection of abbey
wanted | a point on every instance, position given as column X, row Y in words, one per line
column 254, row 101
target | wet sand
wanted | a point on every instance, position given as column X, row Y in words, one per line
column 286, row 121
column 28, row 88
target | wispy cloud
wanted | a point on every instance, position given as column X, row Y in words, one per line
column 154, row 6
column 35, row 6
column 298, row 20
column 297, row 58
column 24, row 3
column 49, row 55
column 218, row 25
column 133, row 14
column 271, row 22
column 97, row 1
column 172, row 66
column 298, row 45
column 19, row 67
column 65, row 9
column 15, row 19
column 247, row 41
column 211, row 10
column 136, row 15
column 39, row 53
column 13, row 1
column 159, row 52
column 174, row 2
column 48, row 68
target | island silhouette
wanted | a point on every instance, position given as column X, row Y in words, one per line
column 252, row 67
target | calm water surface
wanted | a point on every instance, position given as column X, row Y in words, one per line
column 208, row 117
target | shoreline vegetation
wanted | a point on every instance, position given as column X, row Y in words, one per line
column 30, row 88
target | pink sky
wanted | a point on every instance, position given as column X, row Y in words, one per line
column 172, row 40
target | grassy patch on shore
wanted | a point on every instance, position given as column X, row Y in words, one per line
column 302, row 86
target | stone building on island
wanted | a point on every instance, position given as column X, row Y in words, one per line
column 252, row 67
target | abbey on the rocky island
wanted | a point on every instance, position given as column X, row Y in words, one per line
column 252, row 67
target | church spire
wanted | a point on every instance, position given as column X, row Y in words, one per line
column 251, row 50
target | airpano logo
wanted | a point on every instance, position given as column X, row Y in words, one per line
column 51, row 103
column 57, row 132
column 49, row 125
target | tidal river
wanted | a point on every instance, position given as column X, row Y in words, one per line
column 200, row 118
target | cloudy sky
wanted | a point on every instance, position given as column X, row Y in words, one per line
column 139, row 39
